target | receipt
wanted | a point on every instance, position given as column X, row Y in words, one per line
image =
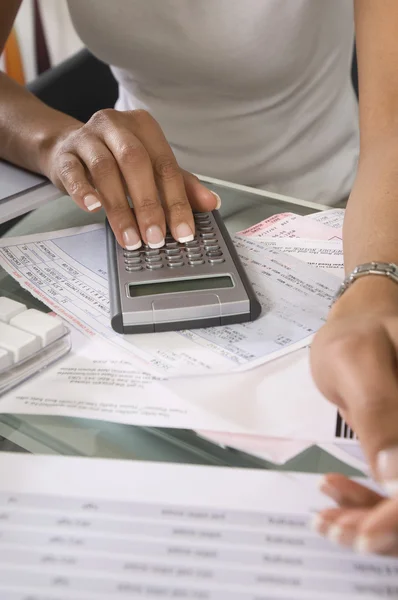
column 325, row 255
column 332, row 218
column 290, row 225
column 67, row 270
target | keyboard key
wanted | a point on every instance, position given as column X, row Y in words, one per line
column 19, row 343
column 9, row 308
column 5, row 359
column 46, row 327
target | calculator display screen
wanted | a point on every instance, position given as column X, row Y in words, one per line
column 180, row 285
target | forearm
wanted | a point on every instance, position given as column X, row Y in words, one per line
column 371, row 221
column 28, row 128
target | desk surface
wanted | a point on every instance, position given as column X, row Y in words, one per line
column 70, row 436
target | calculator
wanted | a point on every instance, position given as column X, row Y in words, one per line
column 200, row 283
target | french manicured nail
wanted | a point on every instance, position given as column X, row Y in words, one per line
column 154, row 237
column 329, row 490
column 387, row 470
column 380, row 543
column 317, row 524
column 183, row 233
column 335, row 533
column 91, row 202
column 218, row 205
column 131, row 239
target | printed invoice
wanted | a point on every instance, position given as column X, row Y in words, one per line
column 67, row 270
column 78, row 528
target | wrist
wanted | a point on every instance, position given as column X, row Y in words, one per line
column 371, row 293
column 46, row 142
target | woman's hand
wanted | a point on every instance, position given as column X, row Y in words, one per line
column 126, row 153
column 354, row 360
column 364, row 520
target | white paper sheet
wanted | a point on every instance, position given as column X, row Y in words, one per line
column 325, row 255
column 75, row 529
column 332, row 218
column 67, row 270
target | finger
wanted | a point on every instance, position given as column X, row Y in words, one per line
column 199, row 196
column 365, row 378
column 168, row 177
column 378, row 533
column 136, row 168
column 348, row 493
column 340, row 525
column 107, row 179
column 73, row 178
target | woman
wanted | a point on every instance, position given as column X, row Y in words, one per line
column 257, row 92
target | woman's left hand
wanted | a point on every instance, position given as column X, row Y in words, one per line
column 354, row 360
column 364, row 520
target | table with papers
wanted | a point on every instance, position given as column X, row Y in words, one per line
column 203, row 412
column 78, row 528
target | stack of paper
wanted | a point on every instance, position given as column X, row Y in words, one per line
column 202, row 379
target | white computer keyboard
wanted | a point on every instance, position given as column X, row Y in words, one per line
column 30, row 340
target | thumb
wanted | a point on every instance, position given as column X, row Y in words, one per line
column 200, row 197
column 367, row 382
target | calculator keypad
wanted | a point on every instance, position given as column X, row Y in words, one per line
column 204, row 248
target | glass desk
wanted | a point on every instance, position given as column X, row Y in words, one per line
column 71, row 436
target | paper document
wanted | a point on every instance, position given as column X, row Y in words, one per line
column 67, row 270
column 333, row 217
column 77, row 528
column 22, row 191
column 325, row 255
column 289, row 225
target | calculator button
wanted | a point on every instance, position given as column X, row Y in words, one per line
column 216, row 261
column 154, row 252
column 132, row 261
column 152, row 266
column 10, row 308
column 131, row 268
column 194, row 263
column 191, row 244
column 207, row 235
column 171, row 244
column 131, row 253
column 17, row 342
column 153, row 259
column 173, row 251
column 215, row 254
column 45, row 327
column 194, row 255
column 5, row 360
column 201, row 216
column 175, row 263
column 212, row 247
column 205, row 229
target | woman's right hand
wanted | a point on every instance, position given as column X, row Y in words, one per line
column 117, row 154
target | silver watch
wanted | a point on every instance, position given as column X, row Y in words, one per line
column 374, row 268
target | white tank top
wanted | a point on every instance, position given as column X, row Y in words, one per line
column 253, row 91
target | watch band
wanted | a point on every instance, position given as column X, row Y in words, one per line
column 389, row 270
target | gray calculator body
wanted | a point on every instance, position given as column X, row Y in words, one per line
column 181, row 285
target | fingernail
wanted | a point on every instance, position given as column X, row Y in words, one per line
column 335, row 533
column 387, row 470
column 329, row 490
column 183, row 233
column 154, row 237
column 317, row 523
column 91, row 202
column 131, row 239
column 365, row 544
column 218, row 205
